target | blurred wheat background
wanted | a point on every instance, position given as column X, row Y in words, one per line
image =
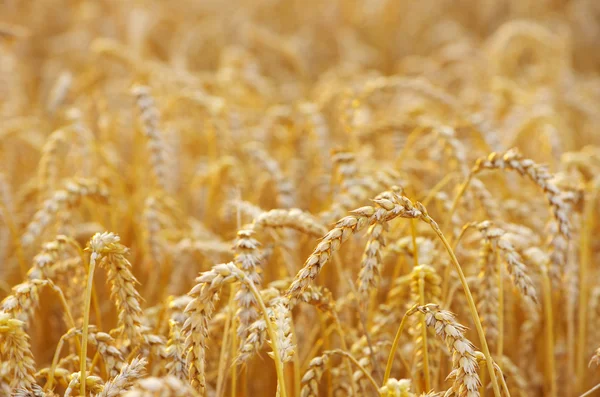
column 299, row 198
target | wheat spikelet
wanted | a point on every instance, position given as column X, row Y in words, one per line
column 345, row 163
column 595, row 358
column 84, row 140
column 396, row 388
column 486, row 199
column 106, row 249
column 312, row 377
column 514, row 262
column 244, row 207
column 199, row 311
column 125, row 379
column 176, row 365
column 35, row 391
column 368, row 276
column 352, row 189
column 317, row 124
column 281, row 317
column 93, row 383
column 48, row 165
column 257, row 336
column 418, row 86
column 44, row 262
column 432, row 292
column 386, row 210
column 366, row 362
column 457, row 149
column 539, row 175
column 248, row 259
column 105, row 345
column 72, row 194
column 294, row 218
column 404, row 245
column 24, row 299
column 168, row 386
column 279, row 311
column 150, row 118
column 239, row 133
column 319, row 297
column 487, row 305
column 59, row 91
column 204, row 246
column 341, row 386
column 16, row 350
column 464, row 365
column 285, row 189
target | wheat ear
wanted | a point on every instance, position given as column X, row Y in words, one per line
column 247, row 258
column 16, row 350
column 464, row 364
column 368, row 277
column 514, row 263
column 317, row 366
column 125, row 379
column 48, row 165
column 150, row 118
column 538, row 174
column 385, row 210
column 199, row 311
column 68, row 197
column 167, row 386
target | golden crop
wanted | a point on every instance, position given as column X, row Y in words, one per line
column 299, row 198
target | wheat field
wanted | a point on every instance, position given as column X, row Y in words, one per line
column 299, row 198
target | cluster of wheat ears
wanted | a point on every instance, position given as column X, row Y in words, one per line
column 299, row 198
